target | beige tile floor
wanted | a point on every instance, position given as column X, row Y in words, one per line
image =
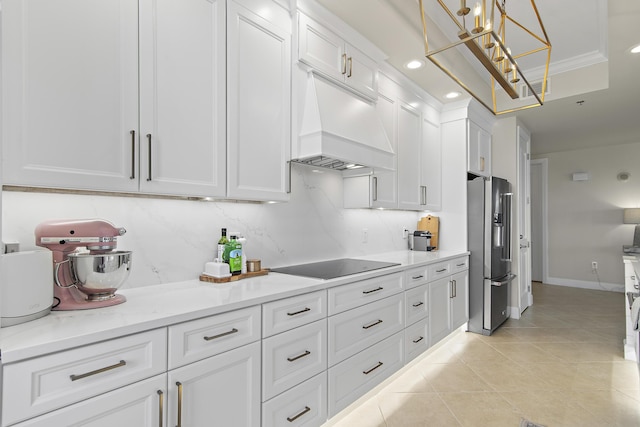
column 561, row 364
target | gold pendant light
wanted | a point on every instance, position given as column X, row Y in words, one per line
column 488, row 44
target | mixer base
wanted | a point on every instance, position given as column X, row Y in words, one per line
column 67, row 304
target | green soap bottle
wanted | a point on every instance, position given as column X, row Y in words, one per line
column 233, row 255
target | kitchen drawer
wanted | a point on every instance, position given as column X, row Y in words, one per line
column 138, row 404
column 35, row 386
column 416, row 339
column 416, row 277
column 198, row 339
column 355, row 294
column 416, row 304
column 459, row 264
column 292, row 357
column 282, row 315
column 354, row 377
column 305, row 405
column 357, row 329
column 439, row 270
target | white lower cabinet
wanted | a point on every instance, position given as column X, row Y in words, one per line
column 448, row 305
column 355, row 376
column 303, row 405
column 36, row 386
column 222, row 390
column 357, row 329
column 416, row 339
column 140, row 404
column 292, row 357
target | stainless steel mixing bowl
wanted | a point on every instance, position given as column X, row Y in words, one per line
column 100, row 275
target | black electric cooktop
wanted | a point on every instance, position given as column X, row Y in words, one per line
column 333, row 268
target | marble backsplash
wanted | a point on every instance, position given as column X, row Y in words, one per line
column 172, row 239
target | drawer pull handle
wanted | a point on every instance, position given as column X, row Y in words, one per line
column 418, row 304
column 441, row 271
column 372, row 369
column 160, row 407
column 179, row 384
column 418, row 340
column 461, row 264
column 377, row 322
column 417, row 277
column 293, row 359
column 97, row 371
column 379, row 288
column 304, row 310
column 224, row 334
column 298, row 415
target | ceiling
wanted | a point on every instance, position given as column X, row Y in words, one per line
column 594, row 96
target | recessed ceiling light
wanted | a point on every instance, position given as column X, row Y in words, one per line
column 414, row 64
column 452, row 95
column 635, row 49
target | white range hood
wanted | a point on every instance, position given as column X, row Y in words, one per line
column 340, row 130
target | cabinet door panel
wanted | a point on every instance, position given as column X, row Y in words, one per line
column 259, row 105
column 432, row 165
column 183, row 101
column 224, row 389
column 137, row 405
column 70, row 93
column 439, row 310
column 409, row 157
column 362, row 72
column 321, row 48
column 459, row 303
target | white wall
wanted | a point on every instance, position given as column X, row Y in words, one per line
column 585, row 217
column 172, row 239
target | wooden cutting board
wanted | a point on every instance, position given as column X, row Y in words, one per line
column 210, row 279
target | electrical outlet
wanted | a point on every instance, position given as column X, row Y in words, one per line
column 594, row 265
column 405, row 233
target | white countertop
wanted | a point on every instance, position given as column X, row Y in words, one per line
column 158, row 306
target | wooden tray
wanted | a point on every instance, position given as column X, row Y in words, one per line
column 205, row 278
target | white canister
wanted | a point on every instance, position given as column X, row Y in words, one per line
column 26, row 286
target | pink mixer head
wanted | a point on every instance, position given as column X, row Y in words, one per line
column 66, row 235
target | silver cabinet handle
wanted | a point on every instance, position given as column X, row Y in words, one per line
column 224, row 334
column 304, row 310
column 149, row 141
column 441, row 271
column 417, row 277
column 375, row 188
column 179, row 384
column 416, row 341
column 423, row 194
column 299, row 414
column 379, row 288
column 133, row 155
column 300, row 356
column 451, row 289
column 371, row 325
column 344, row 63
column 373, row 369
column 461, row 264
column 97, row 371
column 418, row 304
column 160, row 407
column 350, row 67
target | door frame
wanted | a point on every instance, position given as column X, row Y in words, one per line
column 541, row 236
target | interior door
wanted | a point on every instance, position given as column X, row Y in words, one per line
column 524, row 217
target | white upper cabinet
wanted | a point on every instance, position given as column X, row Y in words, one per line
column 182, row 97
column 259, row 100
column 70, row 93
column 410, row 186
column 479, row 149
column 329, row 54
column 431, row 165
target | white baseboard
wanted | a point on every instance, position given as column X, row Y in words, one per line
column 598, row 286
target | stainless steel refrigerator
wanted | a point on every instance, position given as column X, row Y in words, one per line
column 489, row 235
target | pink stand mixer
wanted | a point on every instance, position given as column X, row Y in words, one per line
column 84, row 280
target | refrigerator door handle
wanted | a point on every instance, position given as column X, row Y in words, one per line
column 506, row 281
column 506, row 230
